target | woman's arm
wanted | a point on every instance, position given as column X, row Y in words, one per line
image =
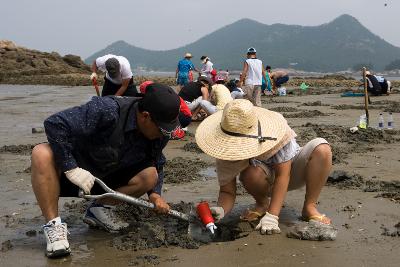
column 227, row 196
column 280, row 186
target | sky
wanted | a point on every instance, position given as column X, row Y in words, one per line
column 83, row 27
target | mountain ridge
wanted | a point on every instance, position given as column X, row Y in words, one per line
column 334, row 46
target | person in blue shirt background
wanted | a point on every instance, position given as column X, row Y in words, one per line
column 183, row 71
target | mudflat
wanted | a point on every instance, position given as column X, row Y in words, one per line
column 362, row 196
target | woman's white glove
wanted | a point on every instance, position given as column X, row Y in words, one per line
column 218, row 213
column 81, row 178
column 268, row 224
column 93, row 76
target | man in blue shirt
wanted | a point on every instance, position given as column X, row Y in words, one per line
column 184, row 70
column 116, row 139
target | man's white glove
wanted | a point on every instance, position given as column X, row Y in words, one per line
column 268, row 224
column 93, row 76
column 218, row 213
column 81, row 178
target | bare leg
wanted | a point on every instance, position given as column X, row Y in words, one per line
column 141, row 183
column 45, row 180
column 256, row 184
column 318, row 169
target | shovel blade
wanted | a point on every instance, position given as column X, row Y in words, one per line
column 197, row 231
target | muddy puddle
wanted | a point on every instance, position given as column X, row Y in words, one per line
column 183, row 170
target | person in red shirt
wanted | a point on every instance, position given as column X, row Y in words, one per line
column 185, row 115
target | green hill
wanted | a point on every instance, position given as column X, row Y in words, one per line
column 334, row 46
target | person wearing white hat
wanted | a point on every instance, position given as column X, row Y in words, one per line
column 257, row 145
column 207, row 66
column 253, row 71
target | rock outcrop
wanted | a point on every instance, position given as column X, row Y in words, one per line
column 19, row 65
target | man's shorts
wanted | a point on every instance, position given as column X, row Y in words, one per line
column 299, row 164
column 182, row 80
column 114, row 180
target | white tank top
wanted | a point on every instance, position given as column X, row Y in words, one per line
column 254, row 71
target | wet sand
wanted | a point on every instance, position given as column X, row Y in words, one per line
column 362, row 196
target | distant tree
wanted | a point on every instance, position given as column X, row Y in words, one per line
column 394, row 65
column 359, row 66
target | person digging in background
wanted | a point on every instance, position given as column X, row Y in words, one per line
column 377, row 85
column 194, row 92
column 257, row 145
column 219, row 97
column 236, row 92
column 118, row 79
column 278, row 78
column 116, row 139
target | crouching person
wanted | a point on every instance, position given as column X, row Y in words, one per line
column 116, row 139
column 258, row 146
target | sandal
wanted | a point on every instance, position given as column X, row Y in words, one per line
column 251, row 216
column 318, row 218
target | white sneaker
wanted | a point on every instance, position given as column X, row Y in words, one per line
column 104, row 217
column 56, row 238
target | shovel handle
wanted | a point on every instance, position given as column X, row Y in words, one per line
column 129, row 199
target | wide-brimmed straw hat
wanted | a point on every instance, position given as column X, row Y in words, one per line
column 188, row 55
column 241, row 131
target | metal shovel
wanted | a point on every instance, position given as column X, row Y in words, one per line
column 196, row 229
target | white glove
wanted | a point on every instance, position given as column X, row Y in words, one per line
column 93, row 76
column 268, row 224
column 81, row 178
column 218, row 213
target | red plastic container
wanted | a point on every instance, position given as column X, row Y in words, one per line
column 204, row 212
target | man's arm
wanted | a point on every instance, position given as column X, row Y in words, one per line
column 155, row 194
column 282, row 177
column 122, row 89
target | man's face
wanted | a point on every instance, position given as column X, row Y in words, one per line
column 147, row 126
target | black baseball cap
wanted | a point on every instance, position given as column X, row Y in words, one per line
column 163, row 104
column 112, row 67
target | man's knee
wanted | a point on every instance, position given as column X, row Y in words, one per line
column 41, row 156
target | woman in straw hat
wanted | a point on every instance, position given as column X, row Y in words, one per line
column 257, row 145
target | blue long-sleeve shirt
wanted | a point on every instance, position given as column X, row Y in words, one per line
column 76, row 132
